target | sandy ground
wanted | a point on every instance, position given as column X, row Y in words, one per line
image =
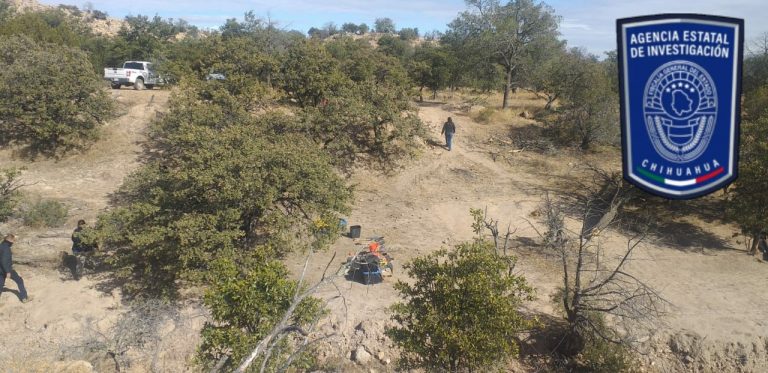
column 716, row 291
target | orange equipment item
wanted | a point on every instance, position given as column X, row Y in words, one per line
column 373, row 247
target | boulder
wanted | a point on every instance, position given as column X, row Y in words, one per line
column 361, row 355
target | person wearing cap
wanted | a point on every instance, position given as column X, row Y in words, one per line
column 6, row 268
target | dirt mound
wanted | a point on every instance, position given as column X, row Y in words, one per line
column 687, row 350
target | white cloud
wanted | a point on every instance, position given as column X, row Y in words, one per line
column 599, row 17
column 577, row 26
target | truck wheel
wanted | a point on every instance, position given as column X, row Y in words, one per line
column 139, row 85
column 115, row 85
column 150, row 86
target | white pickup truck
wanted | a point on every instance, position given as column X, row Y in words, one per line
column 139, row 74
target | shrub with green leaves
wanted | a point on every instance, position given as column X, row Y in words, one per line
column 246, row 301
column 9, row 192
column 46, row 213
column 218, row 184
column 354, row 101
column 50, row 101
column 461, row 312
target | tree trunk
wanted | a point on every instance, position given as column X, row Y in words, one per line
column 421, row 96
column 507, row 86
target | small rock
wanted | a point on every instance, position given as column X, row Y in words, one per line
column 361, row 355
column 52, row 234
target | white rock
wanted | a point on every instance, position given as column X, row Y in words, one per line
column 361, row 355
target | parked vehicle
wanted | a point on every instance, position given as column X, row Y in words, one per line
column 215, row 76
column 139, row 74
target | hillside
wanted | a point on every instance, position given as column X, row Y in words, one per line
column 107, row 27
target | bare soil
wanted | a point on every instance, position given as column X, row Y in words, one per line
column 719, row 315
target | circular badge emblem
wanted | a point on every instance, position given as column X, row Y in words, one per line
column 680, row 108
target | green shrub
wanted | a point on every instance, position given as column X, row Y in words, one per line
column 246, row 301
column 9, row 185
column 46, row 213
column 461, row 311
column 219, row 185
column 50, row 100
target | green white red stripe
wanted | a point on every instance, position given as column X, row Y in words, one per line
column 680, row 183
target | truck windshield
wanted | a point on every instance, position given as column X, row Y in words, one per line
column 133, row 65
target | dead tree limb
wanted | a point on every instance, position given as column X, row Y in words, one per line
column 283, row 327
column 596, row 288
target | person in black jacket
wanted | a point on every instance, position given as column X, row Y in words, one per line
column 6, row 267
column 762, row 245
column 80, row 249
column 449, row 128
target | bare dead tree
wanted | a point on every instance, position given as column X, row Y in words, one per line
column 140, row 327
column 482, row 221
column 596, row 288
column 758, row 46
column 285, row 327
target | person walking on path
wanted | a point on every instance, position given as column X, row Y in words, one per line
column 6, row 268
column 449, row 128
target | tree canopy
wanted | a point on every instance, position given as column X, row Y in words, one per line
column 508, row 35
column 47, row 104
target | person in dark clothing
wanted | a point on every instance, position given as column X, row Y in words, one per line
column 762, row 245
column 6, row 268
column 80, row 250
column 449, row 128
column 77, row 239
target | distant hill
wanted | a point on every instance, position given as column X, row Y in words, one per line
column 99, row 23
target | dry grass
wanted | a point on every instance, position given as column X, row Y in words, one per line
column 495, row 116
column 38, row 366
column 485, row 108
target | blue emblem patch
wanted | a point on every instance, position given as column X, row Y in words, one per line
column 680, row 86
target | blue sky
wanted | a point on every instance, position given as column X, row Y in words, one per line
column 585, row 23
